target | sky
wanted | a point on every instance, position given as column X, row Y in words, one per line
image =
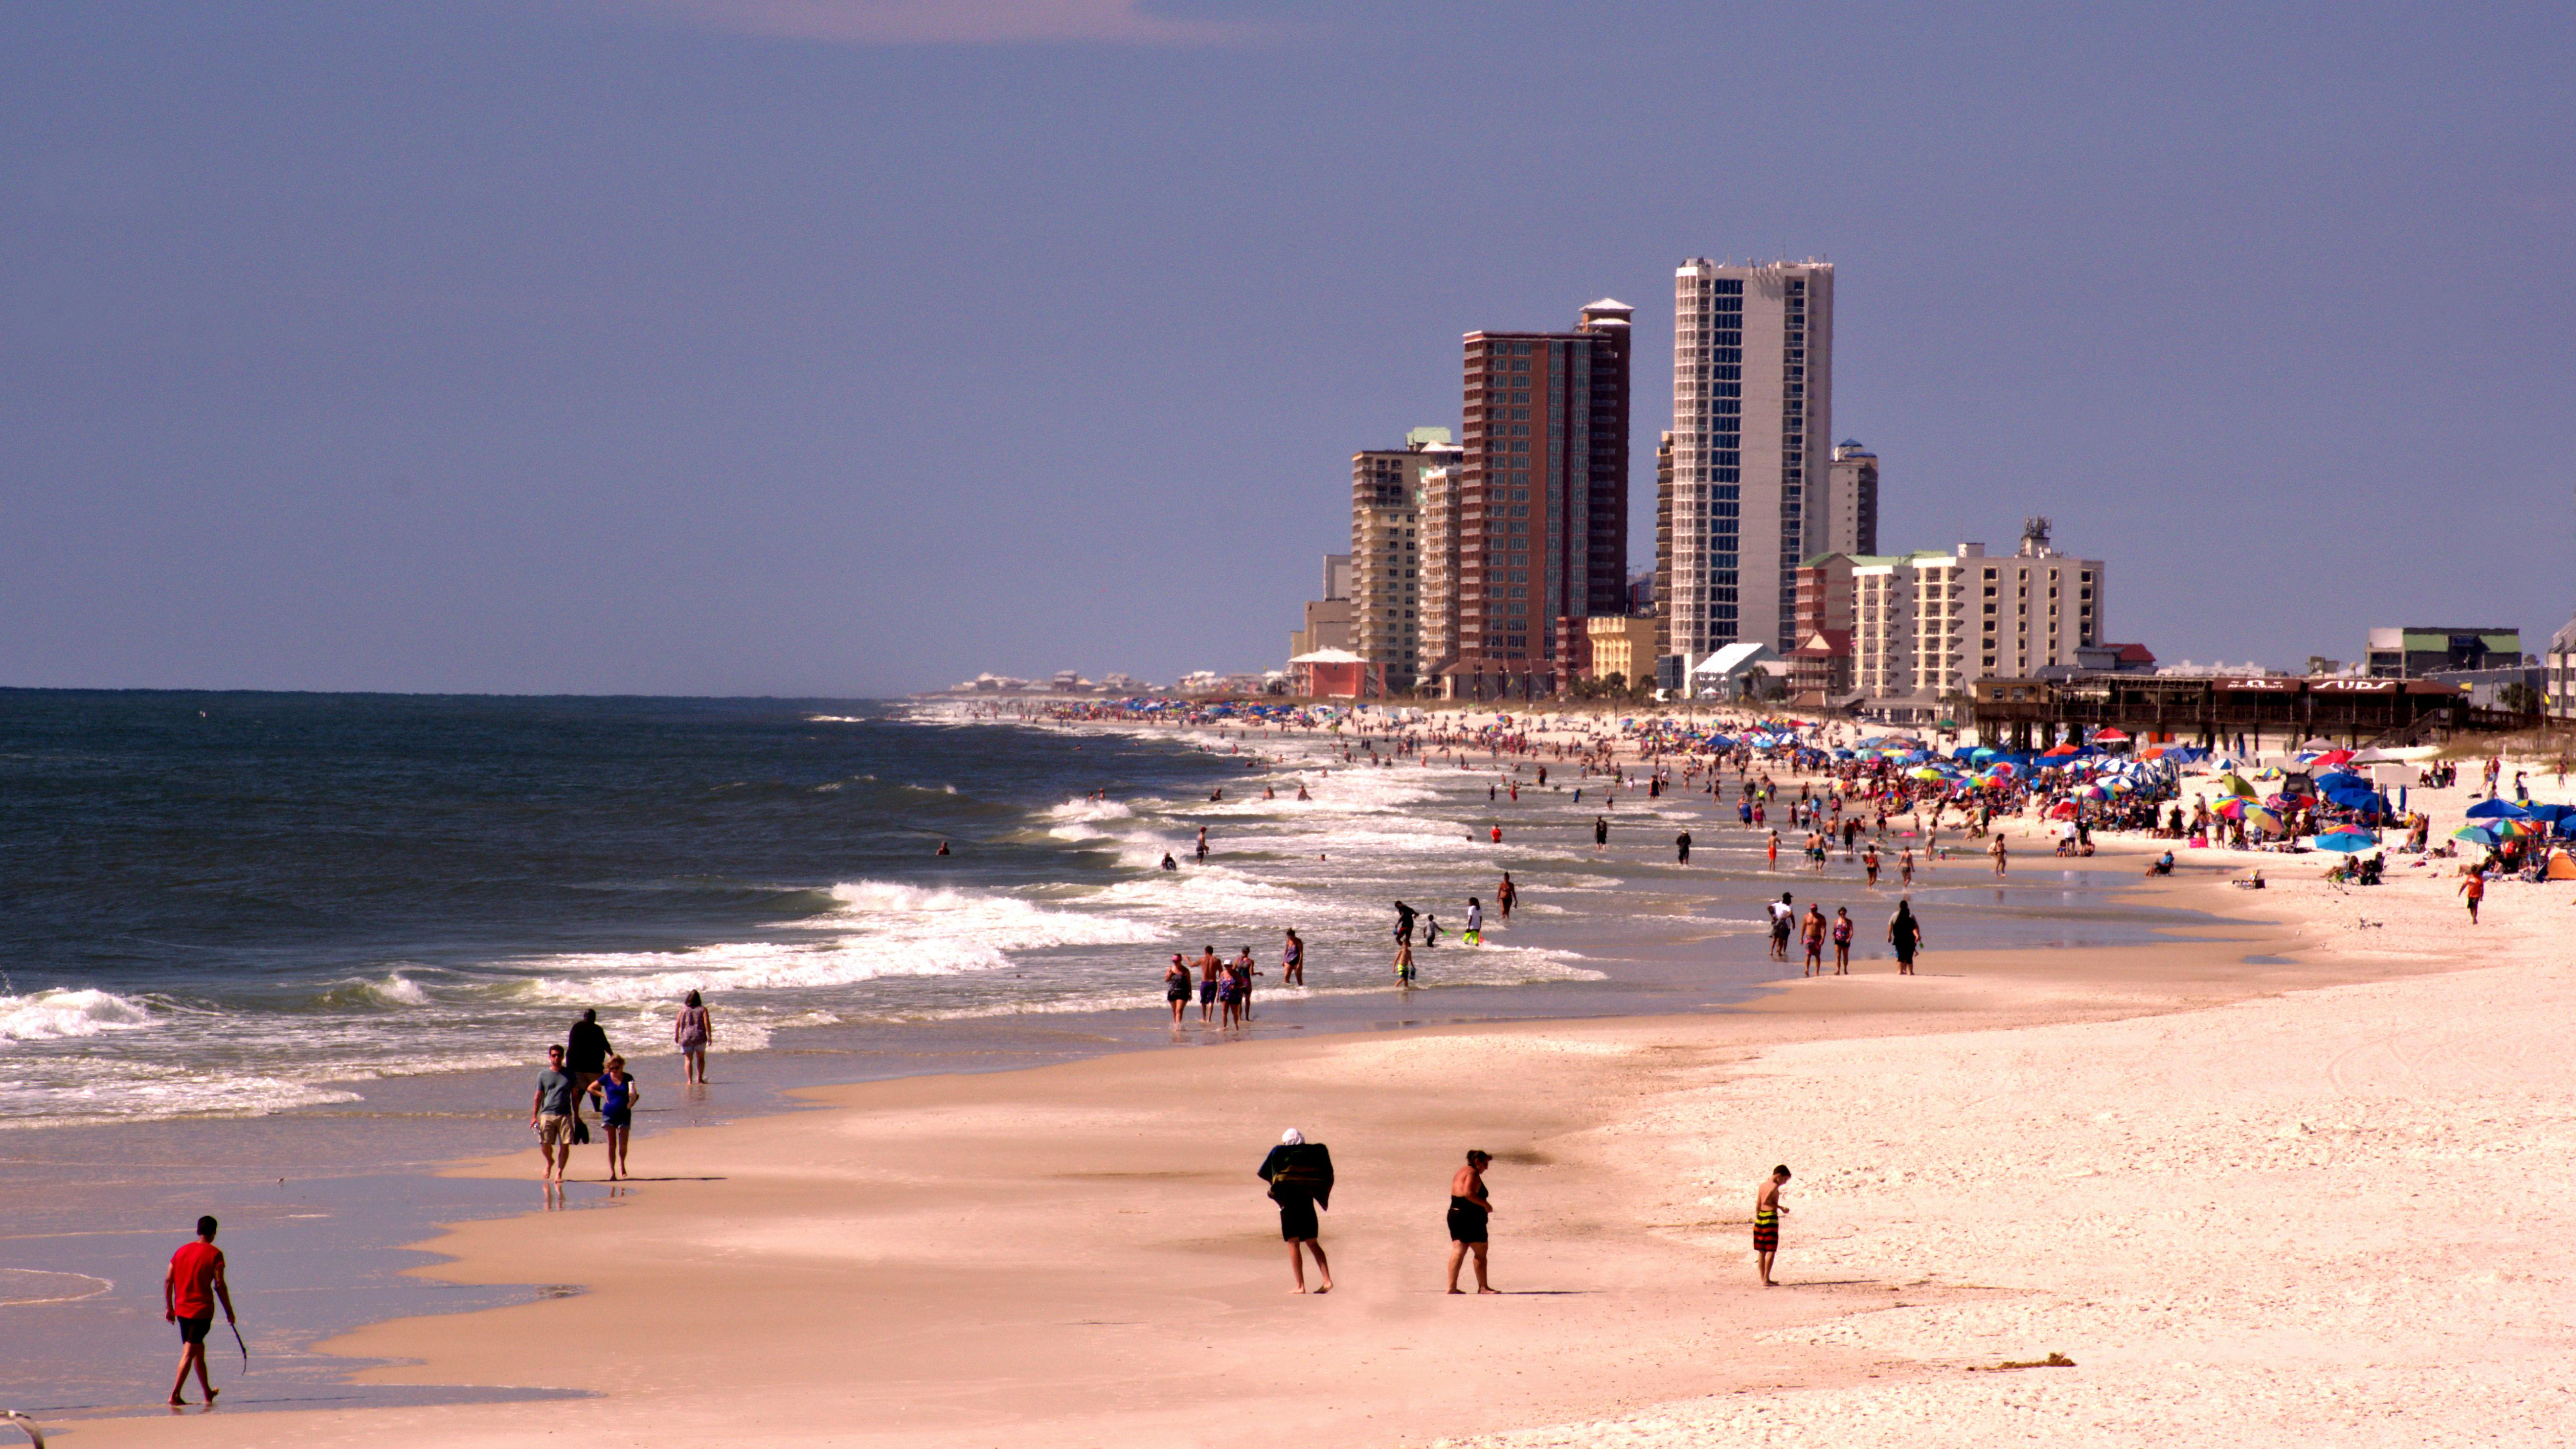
column 852, row 347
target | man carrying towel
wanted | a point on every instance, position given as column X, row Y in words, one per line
column 1300, row 1174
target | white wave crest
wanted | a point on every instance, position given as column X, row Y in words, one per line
column 400, row 990
column 54, row 1015
column 882, row 929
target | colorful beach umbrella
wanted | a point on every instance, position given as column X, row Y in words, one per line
column 2231, row 808
column 2474, row 835
column 2261, row 819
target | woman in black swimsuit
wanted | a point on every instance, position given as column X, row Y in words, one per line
column 1469, row 1205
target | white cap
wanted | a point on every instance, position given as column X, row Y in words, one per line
column 1292, row 1138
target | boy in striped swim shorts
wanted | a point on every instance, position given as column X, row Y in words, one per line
column 1766, row 1221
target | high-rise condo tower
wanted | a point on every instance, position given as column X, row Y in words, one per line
column 1542, row 501
column 1752, row 419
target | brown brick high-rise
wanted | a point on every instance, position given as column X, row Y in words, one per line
column 1543, row 506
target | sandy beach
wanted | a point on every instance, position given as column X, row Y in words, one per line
column 2294, row 1172
column 2224, row 1189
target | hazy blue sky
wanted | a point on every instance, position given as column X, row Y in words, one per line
column 852, row 346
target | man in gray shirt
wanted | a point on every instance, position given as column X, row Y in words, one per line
column 550, row 1113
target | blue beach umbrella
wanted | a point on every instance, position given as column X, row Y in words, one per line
column 2490, row 809
column 2345, row 840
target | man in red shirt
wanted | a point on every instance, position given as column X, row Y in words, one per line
column 188, row 1296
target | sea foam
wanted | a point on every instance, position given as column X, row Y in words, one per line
column 54, row 1015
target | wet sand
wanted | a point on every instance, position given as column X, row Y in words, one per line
column 1080, row 1253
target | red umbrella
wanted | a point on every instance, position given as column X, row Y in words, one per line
column 2110, row 737
column 2332, row 757
column 2059, row 750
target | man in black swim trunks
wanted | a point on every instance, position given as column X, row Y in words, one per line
column 1469, row 1206
column 586, row 1052
column 1403, row 924
column 1211, row 972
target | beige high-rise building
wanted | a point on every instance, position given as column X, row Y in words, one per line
column 1851, row 500
column 1386, row 551
column 1929, row 625
column 1438, row 641
column 1752, row 424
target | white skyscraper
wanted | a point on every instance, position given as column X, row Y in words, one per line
column 1753, row 397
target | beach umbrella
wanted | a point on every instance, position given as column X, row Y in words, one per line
column 2231, row 808
column 2494, row 809
column 2261, row 819
column 2334, row 757
column 1928, row 773
column 2474, row 835
column 2510, row 829
column 2345, row 840
column 2064, row 809
column 2237, row 785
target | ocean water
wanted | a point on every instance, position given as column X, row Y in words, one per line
column 295, row 952
column 245, row 903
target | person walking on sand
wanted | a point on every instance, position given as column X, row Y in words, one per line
column 586, row 1052
column 2473, row 889
column 1905, row 933
column 1842, row 940
column 1998, row 852
column 1767, row 1209
column 550, row 1116
column 1176, row 987
column 616, row 1094
column 1470, row 1204
column 1681, row 848
column 189, row 1292
column 1300, row 1174
column 1292, row 960
column 1811, row 934
column 691, row 1031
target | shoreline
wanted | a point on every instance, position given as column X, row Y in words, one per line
column 2014, row 987
column 1596, row 1062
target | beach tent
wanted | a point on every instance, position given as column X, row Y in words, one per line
column 2562, row 866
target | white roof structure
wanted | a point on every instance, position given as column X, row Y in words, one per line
column 1328, row 656
column 1736, row 658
